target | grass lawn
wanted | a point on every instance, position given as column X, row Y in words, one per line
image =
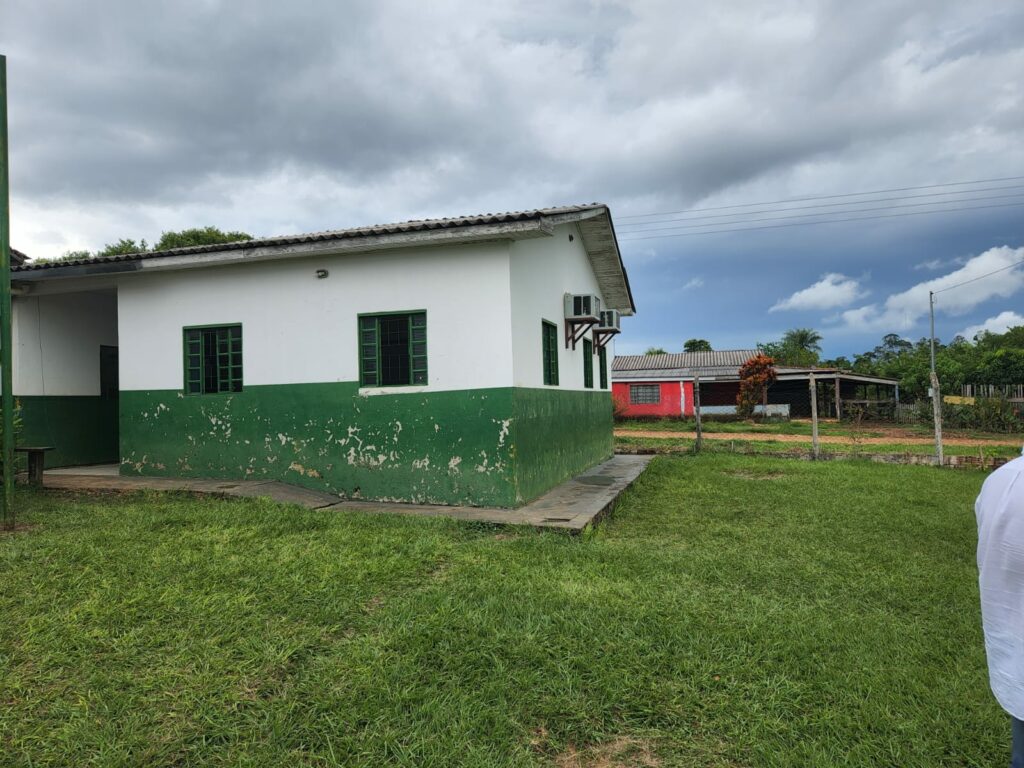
column 737, row 611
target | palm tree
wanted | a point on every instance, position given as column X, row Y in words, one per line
column 805, row 339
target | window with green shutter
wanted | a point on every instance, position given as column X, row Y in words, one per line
column 602, row 360
column 393, row 349
column 588, row 364
column 213, row 359
column 549, row 345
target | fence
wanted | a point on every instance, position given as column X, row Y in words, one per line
column 907, row 413
column 1006, row 391
column 992, row 409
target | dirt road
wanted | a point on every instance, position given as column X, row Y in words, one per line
column 831, row 439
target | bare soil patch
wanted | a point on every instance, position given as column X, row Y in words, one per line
column 623, row 752
column 747, row 475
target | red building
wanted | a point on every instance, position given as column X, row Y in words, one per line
column 662, row 385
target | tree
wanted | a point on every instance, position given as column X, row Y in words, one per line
column 755, row 376
column 798, row 347
column 803, row 341
column 655, row 351
column 1003, row 366
column 168, row 241
column 122, row 247
column 198, row 236
column 697, row 345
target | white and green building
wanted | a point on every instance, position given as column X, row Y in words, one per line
column 429, row 361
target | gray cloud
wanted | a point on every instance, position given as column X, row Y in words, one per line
column 319, row 114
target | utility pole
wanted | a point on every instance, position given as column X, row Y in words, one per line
column 7, row 396
column 934, row 380
column 696, row 414
column 813, row 387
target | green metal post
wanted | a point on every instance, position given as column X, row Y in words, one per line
column 7, row 401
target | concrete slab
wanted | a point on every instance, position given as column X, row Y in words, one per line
column 571, row 506
column 101, row 470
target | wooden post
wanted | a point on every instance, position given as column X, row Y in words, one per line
column 839, row 401
column 813, row 387
column 696, row 414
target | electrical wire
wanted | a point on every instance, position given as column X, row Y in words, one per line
column 827, row 221
column 828, row 205
column 675, row 227
column 823, row 197
column 980, row 277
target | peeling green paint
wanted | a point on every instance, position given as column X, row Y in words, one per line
column 81, row 429
column 486, row 447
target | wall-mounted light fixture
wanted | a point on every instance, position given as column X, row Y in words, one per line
column 321, row 274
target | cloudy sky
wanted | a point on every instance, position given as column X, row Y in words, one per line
column 715, row 131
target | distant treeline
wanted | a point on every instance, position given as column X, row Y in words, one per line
column 990, row 358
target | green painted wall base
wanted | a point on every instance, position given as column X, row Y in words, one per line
column 557, row 434
column 82, row 430
column 487, row 447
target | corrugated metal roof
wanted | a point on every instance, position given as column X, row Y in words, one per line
column 422, row 225
column 725, row 358
column 721, row 365
column 17, row 258
column 594, row 221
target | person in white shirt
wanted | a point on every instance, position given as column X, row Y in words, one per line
column 1000, row 513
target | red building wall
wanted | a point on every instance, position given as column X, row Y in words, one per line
column 674, row 396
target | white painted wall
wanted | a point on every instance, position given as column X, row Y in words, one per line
column 542, row 272
column 57, row 339
column 300, row 329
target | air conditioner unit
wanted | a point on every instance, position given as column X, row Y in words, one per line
column 610, row 322
column 581, row 306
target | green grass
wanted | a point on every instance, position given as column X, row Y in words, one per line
column 778, row 447
column 736, row 611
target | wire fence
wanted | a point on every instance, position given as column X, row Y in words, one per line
column 854, row 405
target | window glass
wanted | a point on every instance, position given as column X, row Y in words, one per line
column 549, row 347
column 644, row 394
column 588, row 364
column 213, row 359
column 393, row 349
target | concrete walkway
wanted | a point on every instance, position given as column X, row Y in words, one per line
column 571, row 506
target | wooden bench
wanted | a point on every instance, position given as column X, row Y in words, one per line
column 36, row 454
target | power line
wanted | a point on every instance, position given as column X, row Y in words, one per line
column 823, row 197
column 828, row 221
column 676, row 227
column 829, row 205
column 979, row 277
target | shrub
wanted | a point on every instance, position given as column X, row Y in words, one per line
column 755, row 376
column 987, row 414
column 619, row 407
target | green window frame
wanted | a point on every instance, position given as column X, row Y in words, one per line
column 588, row 364
column 549, row 347
column 602, row 360
column 393, row 349
column 213, row 359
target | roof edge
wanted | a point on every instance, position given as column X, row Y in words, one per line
column 376, row 232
